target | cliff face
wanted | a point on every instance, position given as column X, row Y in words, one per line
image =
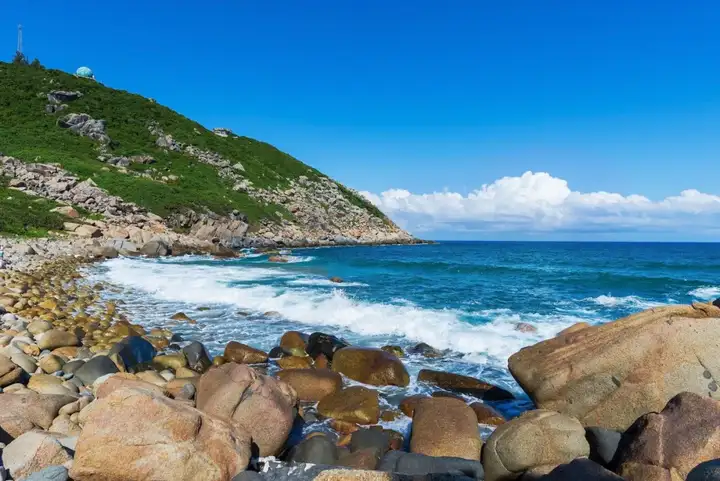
column 117, row 154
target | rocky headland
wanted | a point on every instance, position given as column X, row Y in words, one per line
column 89, row 394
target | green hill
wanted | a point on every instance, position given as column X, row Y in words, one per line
column 177, row 180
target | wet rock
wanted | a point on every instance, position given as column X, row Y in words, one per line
column 513, row 449
column 354, row 404
column 707, row 471
column 603, row 444
column 414, row 464
column 377, row 439
column 294, row 362
column 96, row 367
column 395, row 350
column 197, row 357
column 55, row 338
column 294, row 342
column 32, row 452
column 407, row 405
column 487, row 414
column 325, row 344
column 370, row 366
column 609, row 375
column 464, row 385
column 258, row 404
column 172, row 361
column 445, row 427
column 244, row 354
column 315, row 449
column 162, row 440
column 133, row 350
column 669, row 444
column 312, row 384
column 155, row 248
column 425, row 350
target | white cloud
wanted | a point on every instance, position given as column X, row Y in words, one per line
column 539, row 202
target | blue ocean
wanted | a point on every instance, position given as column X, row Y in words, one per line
column 473, row 299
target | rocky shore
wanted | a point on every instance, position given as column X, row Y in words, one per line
column 91, row 395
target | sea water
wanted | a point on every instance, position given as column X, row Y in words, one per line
column 463, row 297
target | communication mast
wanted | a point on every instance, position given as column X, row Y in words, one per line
column 19, row 45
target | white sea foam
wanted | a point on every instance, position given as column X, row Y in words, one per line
column 309, row 281
column 297, row 259
column 627, row 301
column 706, row 292
column 442, row 328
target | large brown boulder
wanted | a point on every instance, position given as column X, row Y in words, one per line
column 538, row 440
column 370, row 366
column 610, row 375
column 354, row 404
column 445, row 427
column 136, row 435
column 243, row 354
column 666, row 446
column 258, row 404
column 463, row 384
column 55, row 338
column 294, row 342
column 21, row 413
column 125, row 380
column 312, row 384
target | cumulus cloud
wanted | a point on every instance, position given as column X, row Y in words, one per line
column 539, row 202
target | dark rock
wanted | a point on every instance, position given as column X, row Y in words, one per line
column 320, row 343
column 248, row 476
column 95, row 368
column 716, row 302
column 316, row 449
column 276, row 352
column 62, row 96
column 464, row 385
column 419, row 464
column 580, row 469
column 707, row 471
column 603, row 444
column 83, row 124
column 197, row 357
column 370, row 438
column 134, row 350
column 155, row 248
column 425, row 350
column 72, row 366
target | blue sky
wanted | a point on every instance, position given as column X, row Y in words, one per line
column 429, row 97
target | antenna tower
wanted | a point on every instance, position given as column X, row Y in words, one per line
column 19, row 45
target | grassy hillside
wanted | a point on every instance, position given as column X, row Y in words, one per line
column 30, row 134
column 23, row 215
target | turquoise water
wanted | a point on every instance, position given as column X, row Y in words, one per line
column 464, row 297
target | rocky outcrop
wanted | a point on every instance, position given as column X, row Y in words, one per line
column 86, row 126
column 370, row 366
column 610, row 375
column 666, row 446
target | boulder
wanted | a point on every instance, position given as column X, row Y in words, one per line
column 257, row 404
column 668, row 445
column 609, row 375
column 707, row 471
column 579, row 470
column 294, row 342
column 603, row 444
column 51, row 363
column 38, row 327
column 425, row 350
column 445, row 427
column 125, row 380
column 325, row 344
column 243, row 354
column 161, row 440
column 133, row 350
column 464, row 385
column 67, row 211
column 354, row 404
column 96, row 367
column 370, row 366
column 55, row 338
column 47, row 384
column 536, row 439
column 407, row 405
column 294, row 362
column 89, row 231
column 21, row 413
column 197, row 357
column 32, row 452
column 312, row 384
column 394, row 350
column 317, row 448
column 155, row 248
column 414, row 464
column 487, row 414
column 174, row 361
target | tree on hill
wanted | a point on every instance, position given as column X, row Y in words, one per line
column 20, row 58
column 36, row 63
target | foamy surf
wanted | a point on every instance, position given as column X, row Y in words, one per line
column 706, row 293
column 626, row 301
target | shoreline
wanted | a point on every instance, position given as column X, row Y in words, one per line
column 312, row 402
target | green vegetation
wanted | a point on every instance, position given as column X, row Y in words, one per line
column 21, row 214
column 30, row 134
